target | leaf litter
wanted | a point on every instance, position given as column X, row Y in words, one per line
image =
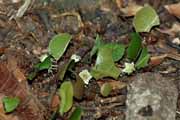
column 119, row 46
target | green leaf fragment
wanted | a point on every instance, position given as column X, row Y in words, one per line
column 105, row 66
column 32, row 75
column 58, row 45
column 46, row 64
column 76, row 115
column 106, row 89
column 129, row 68
column 61, row 73
column 66, row 95
column 143, row 59
column 117, row 50
column 145, row 19
column 98, row 43
column 134, row 46
column 10, row 103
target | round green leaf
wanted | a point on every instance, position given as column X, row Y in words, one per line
column 145, row 19
column 66, row 95
column 58, row 45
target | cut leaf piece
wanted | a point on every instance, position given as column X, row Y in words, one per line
column 85, row 76
column 32, row 75
column 58, row 45
column 78, row 86
column 66, row 95
column 117, row 50
column 143, row 59
column 46, row 64
column 134, row 47
column 105, row 66
column 10, row 104
column 145, row 19
column 76, row 115
column 129, row 68
column 98, row 43
column 61, row 72
column 106, row 89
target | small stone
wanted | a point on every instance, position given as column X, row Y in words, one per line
column 176, row 41
column 151, row 97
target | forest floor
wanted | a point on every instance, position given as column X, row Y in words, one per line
column 25, row 38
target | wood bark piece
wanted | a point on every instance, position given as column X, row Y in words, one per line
column 174, row 9
column 30, row 108
column 151, row 97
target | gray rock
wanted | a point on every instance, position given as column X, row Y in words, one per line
column 151, row 97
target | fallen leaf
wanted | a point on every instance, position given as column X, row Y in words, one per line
column 13, row 67
column 11, row 86
column 98, row 43
column 131, row 9
column 134, row 46
column 105, row 66
column 117, row 50
column 64, row 68
column 10, row 103
column 174, row 56
column 156, row 60
column 143, row 59
column 3, row 115
column 66, row 95
column 45, row 64
column 145, row 19
column 55, row 102
column 76, row 115
column 172, row 31
column 116, row 85
column 58, row 45
column 174, row 9
column 106, row 88
column 78, row 88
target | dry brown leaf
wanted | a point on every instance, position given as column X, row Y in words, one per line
column 55, row 102
column 131, row 9
column 30, row 108
column 174, row 56
column 174, row 9
column 119, row 3
column 17, row 72
column 156, row 60
column 172, row 31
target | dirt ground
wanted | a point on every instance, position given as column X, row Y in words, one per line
column 23, row 40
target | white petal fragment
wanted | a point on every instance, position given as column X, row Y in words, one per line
column 85, row 76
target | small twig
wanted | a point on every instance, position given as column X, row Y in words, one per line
column 120, row 99
column 22, row 10
column 71, row 14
